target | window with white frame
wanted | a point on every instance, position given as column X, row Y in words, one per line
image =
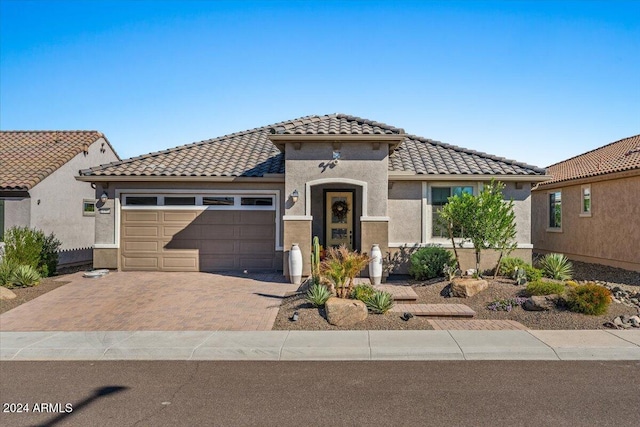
column 555, row 209
column 206, row 201
column 585, row 205
column 439, row 198
column 88, row 207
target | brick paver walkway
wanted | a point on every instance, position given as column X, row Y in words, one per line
column 132, row 301
column 435, row 310
column 404, row 294
column 476, row 325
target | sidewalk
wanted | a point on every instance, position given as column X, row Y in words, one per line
column 322, row 345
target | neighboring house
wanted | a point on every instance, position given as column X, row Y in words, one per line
column 38, row 188
column 240, row 201
column 590, row 209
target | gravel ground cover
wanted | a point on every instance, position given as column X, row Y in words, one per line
column 27, row 294
column 311, row 318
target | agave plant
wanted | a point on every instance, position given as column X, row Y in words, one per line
column 341, row 266
column 25, row 276
column 380, row 302
column 556, row 266
column 318, row 295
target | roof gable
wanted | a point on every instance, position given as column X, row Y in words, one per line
column 28, row 157
column 617, row 156
column 251, row 154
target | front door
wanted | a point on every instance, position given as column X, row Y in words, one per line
column 339, row 219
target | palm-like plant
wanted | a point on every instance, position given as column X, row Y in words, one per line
column 341, row 266
column 556, row 266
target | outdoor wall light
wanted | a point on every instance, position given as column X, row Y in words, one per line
column 294, row 196
column 104, row 197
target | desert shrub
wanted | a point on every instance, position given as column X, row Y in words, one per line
column 25, row 276
column 27, row 246
column 428, row 263
column 508, row 267
column 533, row 274
column 7, row 268
column 589, row 299
column 380, row 302
column 540, row 287
column 341, row 266
column 362, row 292
column 556, row 266
column 571, row 283
column 318, row 295
column 506, row 304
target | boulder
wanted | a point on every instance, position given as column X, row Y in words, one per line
column 345, row 312
column 464, row 288
column 6, row 293
column 540, row 303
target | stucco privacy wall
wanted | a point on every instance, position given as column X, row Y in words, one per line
column 609, row 236
column 106, row 247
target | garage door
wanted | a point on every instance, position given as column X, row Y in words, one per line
column 198, row 240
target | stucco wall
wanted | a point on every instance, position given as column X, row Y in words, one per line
column 56, row 202
column 405, row 212
column 17, row 213
column 521, row 207
column 359, row 161
column 609, row 236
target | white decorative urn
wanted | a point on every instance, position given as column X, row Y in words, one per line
column 295, row 264
column 375, row 265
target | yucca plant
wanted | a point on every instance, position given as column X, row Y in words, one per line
column 341, row 266
column 318, row 295
column 556, row 266
column 25, row 276
column 380, row 302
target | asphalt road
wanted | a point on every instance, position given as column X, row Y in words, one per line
column 322, row 393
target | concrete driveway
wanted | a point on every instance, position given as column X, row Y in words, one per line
column 150, row 301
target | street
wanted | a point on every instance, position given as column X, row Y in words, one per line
column 442, row 393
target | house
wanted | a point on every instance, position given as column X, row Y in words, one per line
column 590, row 208
column 239, row 201
column 38, row 188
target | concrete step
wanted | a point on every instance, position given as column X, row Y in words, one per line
column 443, row 311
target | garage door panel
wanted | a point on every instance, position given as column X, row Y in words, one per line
column 140, row 216
column 209, row 263
column 187, row 232
column 141, row 231
column 253, row 263
column 214, row 217
column 209, row 232
column 256, row 217
column 140, row 262
column 133, row 246
column 256, row 232
column 185, row 217
column 177, row 263
column 255, row 248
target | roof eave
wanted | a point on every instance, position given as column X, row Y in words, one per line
column 280, row 140
column 410, row 176
column 142, row 178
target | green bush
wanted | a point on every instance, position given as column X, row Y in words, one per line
column 589, row 299
column 362, row 292
column 25, row 276
column 7, row 268
column 26, row 246
column 427, row 263
column 380, row 302
column 508, row 266
column 318, row 295
column 539, row 287
column 556, row 266
column 533, row 274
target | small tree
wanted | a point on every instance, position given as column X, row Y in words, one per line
column 341, row 266
column 486, row 220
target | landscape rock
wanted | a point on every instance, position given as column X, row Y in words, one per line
column 345, row 312
column 6, row 293
column 464, row 288
column 540, row 303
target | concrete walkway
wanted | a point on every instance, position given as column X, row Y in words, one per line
column 322, row 345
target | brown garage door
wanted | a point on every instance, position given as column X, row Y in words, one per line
column 185, row 240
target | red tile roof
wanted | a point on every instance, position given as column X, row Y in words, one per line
column 28, row 157
column 615, row 157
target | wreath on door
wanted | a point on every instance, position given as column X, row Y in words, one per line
column 340, row 209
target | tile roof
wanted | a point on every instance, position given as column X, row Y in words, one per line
column 251, row 154
column 27, row 157
column 615, row 157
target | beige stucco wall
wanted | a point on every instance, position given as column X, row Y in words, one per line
column 17, row 213
column 609, row 236
column 360, row 162
column 405, row 212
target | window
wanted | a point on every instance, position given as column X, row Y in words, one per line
column 88, row 207
column 439, row 196
column 555, row 209
column 217, row 201
column 586, row 200
column 256, row 201
column 142, row 201
column 179, row 201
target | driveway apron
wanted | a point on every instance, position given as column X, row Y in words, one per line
column 152, row 301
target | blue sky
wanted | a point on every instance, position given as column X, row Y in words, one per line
column 534, row 81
